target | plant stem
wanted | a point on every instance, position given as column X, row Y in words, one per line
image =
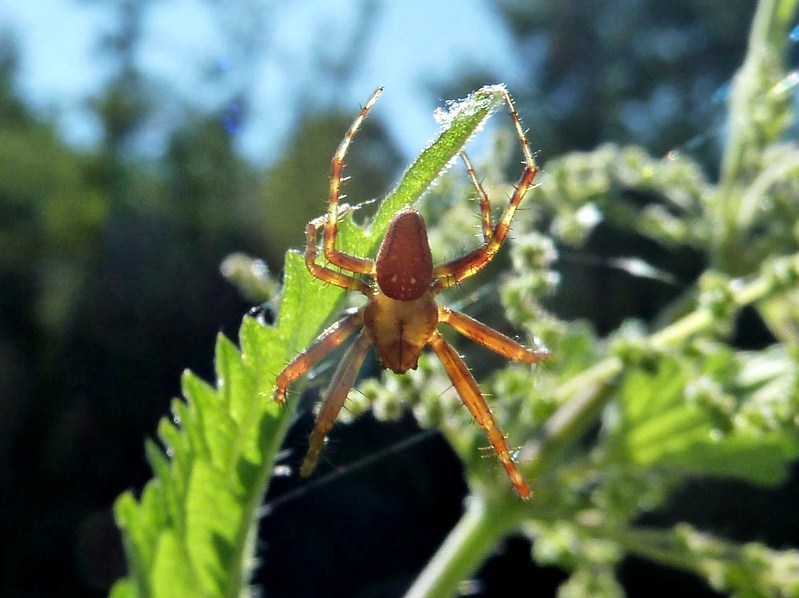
column 743, row 97
column 752, row 90
column 668, row 547
column 569, row 422
column 766, row 48
column 483, row 525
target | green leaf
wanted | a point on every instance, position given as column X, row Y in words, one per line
column 213, row 516
column 662, row 425
column 171, row 573
column 122, row 589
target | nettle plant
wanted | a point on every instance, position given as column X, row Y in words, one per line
column 607, row 429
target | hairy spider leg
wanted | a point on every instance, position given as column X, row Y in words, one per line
column 452, row 272
column 485, row 204
column 335, row 277
column 490, row 338
column 332, row 337
column 349, row 262
column 470, row 394
column 482, row 196
column 520, row 134
column 335, row 396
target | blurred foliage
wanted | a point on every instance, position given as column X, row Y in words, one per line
column 623, row 71
column 104, row 260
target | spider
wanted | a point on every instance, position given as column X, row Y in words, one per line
column 401, row 316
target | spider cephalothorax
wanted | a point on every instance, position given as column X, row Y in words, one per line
column 401, row 316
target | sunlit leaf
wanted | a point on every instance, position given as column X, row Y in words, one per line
column 659, row 426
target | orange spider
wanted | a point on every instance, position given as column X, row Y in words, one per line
column 401, row 316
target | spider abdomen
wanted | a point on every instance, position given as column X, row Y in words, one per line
column 400, row 329
column 404, row 265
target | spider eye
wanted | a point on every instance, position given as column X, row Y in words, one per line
column 404, row 263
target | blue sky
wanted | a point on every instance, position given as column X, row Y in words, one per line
column 413, row 46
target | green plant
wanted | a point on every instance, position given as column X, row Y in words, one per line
column 671, row 399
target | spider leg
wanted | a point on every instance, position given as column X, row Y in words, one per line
column 334, row 256
column 517, row 124
column 485, row 204
column 340, row 279
column 451, row 273
column 459, row 269
column 490, row 338
column 471, row 396
column 331, row 338
column 334, row 399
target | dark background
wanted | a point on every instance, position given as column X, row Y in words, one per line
column 110, row 286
